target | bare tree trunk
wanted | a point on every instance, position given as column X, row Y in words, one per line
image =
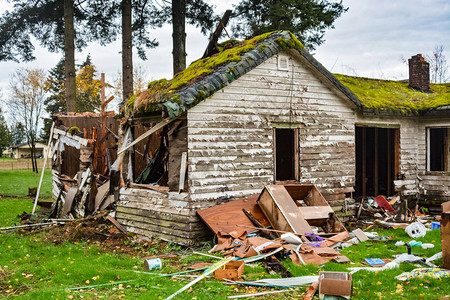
column 179, row 35
column 69, row 55
column 127, row 50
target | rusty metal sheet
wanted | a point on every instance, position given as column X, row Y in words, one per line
column 229, row 216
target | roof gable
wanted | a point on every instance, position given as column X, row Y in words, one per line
column 206, row 76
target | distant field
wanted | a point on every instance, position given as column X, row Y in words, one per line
column 17, row 182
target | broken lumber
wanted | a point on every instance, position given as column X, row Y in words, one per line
column 148, row 133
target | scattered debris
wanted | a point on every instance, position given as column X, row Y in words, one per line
column 375, row 261
column 258, row 294
column 422, row 272
column 416, row 230
column 208, row 271
column 232, row 270
column 335, row 284
column 152, row 264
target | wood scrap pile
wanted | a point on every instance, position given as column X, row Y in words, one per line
column 294, row 220
column 81, row 163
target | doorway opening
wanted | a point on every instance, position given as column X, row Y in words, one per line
column 377, row 160
column 286, row 154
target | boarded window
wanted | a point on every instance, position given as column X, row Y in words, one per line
column 438, row 152
column 286, row 153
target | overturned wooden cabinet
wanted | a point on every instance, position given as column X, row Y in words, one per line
column 297, row 207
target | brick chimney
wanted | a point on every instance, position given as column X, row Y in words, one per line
column 419, row 73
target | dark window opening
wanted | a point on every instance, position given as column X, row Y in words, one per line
column 377, row 160
column 286, row 160
column 438, row 149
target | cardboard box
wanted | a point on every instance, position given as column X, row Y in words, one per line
column 232, row 270
column 335, row 284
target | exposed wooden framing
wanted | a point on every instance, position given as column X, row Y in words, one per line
column 445, row 152
column 148, row 133
column 428, row 149
column 375, row 165
column 397, row 152
column 81, row 140
column 391, row 156
column 364, row 158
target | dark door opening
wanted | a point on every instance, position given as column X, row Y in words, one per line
column 377, row 160
column 286, row 158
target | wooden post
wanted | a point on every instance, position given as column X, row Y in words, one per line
column 43, row 167
column 103, row 129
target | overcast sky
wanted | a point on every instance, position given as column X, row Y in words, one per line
column 369, row 40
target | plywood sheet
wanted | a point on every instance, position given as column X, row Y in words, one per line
column 226, row 217
column 316, row 212
column 281, row 210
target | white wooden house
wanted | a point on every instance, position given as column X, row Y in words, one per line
column 259, row 112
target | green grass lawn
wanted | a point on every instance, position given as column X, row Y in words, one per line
column 17, row 182
column 11, row 207
column 45, row 264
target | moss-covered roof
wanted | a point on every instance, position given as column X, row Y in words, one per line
column 205, row 76
column 395, row 95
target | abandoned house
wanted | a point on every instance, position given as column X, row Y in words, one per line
column 263, row 111
column 84, row 145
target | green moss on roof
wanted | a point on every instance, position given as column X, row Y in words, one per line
column 230, row 51
column 395, row 95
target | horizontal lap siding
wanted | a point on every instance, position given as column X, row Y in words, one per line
column 155, row 214
column 435, row 187
column 230, row 137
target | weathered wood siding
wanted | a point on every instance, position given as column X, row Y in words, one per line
column 409, row 153
column 435, row 186
column 230, row 135
column 156, row 214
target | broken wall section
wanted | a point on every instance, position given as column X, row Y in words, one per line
column 81, row 160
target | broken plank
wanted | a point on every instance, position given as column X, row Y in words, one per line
column 148, row 133
column 81, row 140
column 183, row 167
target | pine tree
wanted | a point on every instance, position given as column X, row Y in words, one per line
column 306, row 19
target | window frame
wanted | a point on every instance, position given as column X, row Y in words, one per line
column 296, row 152
column 445, row 149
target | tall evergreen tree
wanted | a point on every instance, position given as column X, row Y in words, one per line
column 58, row 25
column 306, row 19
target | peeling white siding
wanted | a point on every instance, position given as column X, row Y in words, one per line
column 230, row 135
